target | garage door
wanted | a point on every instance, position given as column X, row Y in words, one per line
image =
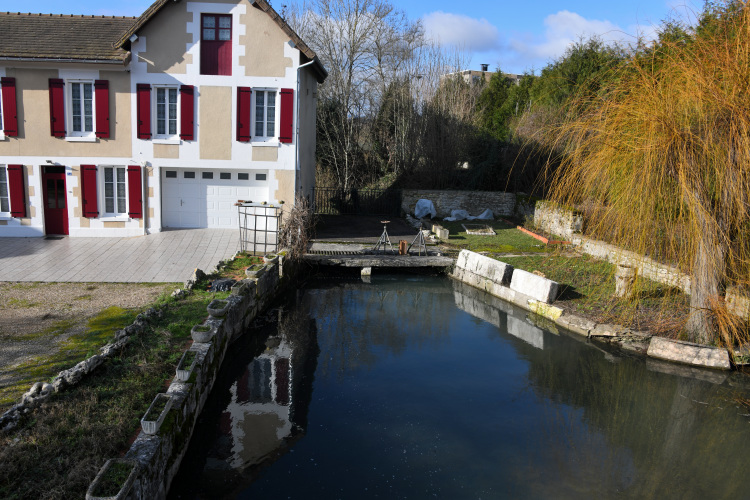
column 205, row 198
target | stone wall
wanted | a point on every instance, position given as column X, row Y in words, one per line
column 557, row 221
column 492, row 276
column 474, row 202
column 568, row 224
column 158, row 456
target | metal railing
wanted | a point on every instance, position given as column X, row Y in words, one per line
column 337, row 201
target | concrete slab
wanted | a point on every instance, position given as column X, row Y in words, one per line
column 169, row 256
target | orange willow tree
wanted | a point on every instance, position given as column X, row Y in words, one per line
column 663, row 157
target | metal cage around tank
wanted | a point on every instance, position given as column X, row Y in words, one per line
column 259, row 227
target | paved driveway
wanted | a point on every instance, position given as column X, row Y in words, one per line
column 169, row 256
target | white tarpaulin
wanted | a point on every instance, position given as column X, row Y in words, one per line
column 464, row 215
column 424, row 208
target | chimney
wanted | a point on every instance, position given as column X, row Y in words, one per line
column 485, row 67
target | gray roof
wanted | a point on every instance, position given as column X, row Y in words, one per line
column 62, row 37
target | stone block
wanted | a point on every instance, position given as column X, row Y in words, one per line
column 485, row 267
column 536, row 287
column 607, row 330
column 576, row 324
column 544, row 310
column 689, row 353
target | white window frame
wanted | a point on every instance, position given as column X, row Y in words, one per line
column 82, row 135
column 165, row 138
column 4, row 178
column 263, row 138
column 112, row 216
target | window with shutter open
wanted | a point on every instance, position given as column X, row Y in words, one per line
column 9, row 118
column 143, row 111
column 17, row 191
column 56, row 107
column 90, row 193
column 101, row 98
column 135, row 192
column 286, row 127
column 244, row 107
column 187, row 112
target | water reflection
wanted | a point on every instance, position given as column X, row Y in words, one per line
column 424, row 388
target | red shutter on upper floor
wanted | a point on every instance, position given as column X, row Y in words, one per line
column 9, row 124
column 90, row 194
column 187, row 112
column 56, row 107
column 135, row 192
column 101, row 96
column 244, row 114
column 286, row 128
column 17, row 191
column 143, row 97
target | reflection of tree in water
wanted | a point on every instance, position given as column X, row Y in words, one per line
column 366, row 321
column 641, row 434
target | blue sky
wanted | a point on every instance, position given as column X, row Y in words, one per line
column 518, row 36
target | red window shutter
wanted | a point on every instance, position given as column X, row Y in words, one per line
column 143, row 97
column 187, row 112
column 56, row 107
column 17, row 191
column 88, row 188
column 10, row 117
column 286, row 128
column 225, row 58
column 244, row 113
column 101, row 96
column 135, row 193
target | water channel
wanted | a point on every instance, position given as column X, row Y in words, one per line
column 422, row 387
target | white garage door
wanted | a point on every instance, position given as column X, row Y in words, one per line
column 206, row 198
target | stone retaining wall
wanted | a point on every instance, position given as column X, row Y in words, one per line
column 158, row 456
column 474, row 202
column 492, row 276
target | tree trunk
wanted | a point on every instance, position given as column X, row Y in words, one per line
column 706, row 286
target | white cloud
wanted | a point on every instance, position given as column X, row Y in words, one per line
column 467, row 33
column 562, row 29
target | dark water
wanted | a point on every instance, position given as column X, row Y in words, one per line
column 421, row 387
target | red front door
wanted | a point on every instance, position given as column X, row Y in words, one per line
column 55, row 207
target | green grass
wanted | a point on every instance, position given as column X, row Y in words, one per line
column 98, row 332
column 587, row 286
column 60, row 446
column 508, row 238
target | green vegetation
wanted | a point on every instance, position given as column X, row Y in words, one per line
column 587, row 287
column 61, row 445
column 75, row 348
column 113, row 479
column 658, row 161
column 507, row 240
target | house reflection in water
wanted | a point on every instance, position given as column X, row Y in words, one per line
column 264, row 412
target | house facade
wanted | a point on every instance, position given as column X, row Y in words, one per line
column 115, row 126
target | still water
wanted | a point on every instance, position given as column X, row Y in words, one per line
column 422, row 387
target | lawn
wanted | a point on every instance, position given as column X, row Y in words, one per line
column 587, row 287
column 59, row 447
column 507, row 240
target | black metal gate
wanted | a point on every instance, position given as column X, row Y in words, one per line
column 336, row 201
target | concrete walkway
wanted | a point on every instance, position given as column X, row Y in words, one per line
column 169, row 256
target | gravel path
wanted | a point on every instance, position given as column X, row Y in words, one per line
column 29, row 309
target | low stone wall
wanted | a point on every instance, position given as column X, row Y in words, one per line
column 474, row 202
column 536, row 294
column 158, row 456
column 557, row 221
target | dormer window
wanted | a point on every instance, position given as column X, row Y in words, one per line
column 216, row 44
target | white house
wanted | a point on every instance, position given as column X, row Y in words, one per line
column 115, row 126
